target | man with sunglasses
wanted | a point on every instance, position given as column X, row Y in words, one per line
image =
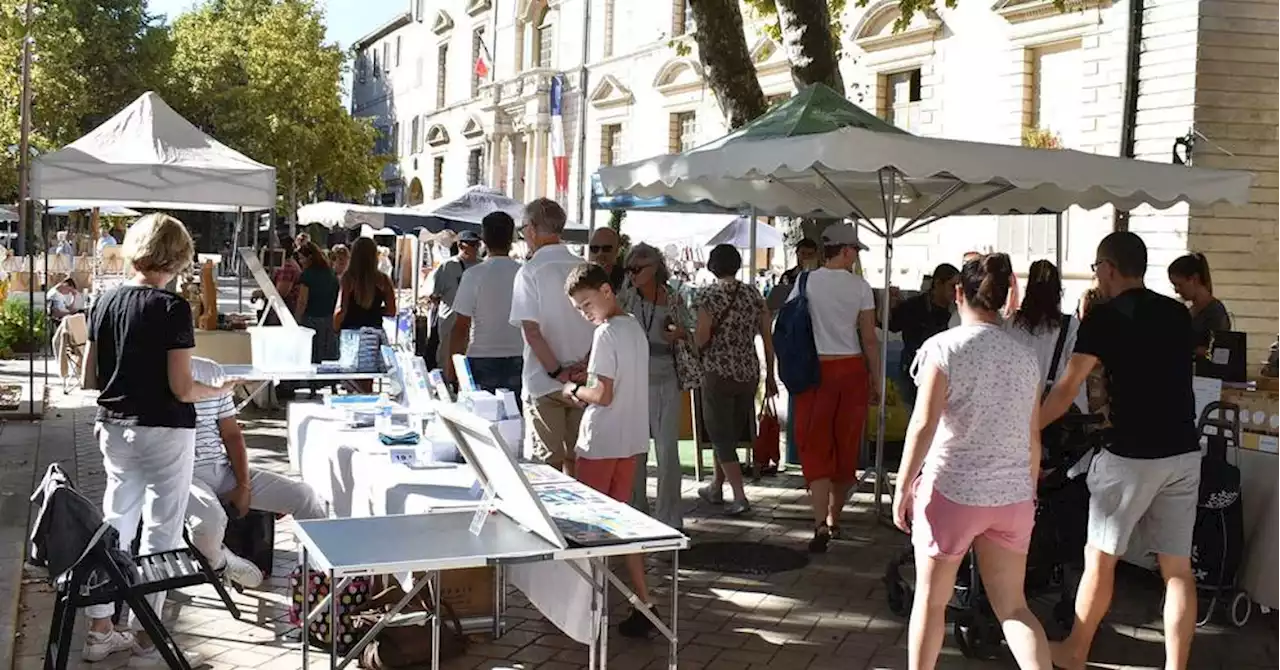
column 1144, row 484
column 603, row 250
column 443, row 285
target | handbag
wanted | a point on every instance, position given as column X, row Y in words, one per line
column 688, row 367
column 1057, row 436
column 766, row 449
column 351, row 602
column 252, row 536
column 408, row 646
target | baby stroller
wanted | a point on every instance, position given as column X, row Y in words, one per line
column 1218, row 540
column 1057, row 543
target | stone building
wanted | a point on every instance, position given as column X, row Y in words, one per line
column 1004, row 72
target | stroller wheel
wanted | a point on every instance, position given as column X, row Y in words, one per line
column 976, row 640
column 1064, row 612
column 896, row 590
column 1240, row 609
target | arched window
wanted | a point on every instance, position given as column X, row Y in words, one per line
column 543, row 39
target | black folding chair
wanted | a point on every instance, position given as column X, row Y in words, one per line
column 152, row 573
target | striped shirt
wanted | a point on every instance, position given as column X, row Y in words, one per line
column 209, row 449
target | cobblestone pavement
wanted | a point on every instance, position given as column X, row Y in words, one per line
column 831, row 614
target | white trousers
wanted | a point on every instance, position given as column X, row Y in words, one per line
column 148, row 478
column 268, row 492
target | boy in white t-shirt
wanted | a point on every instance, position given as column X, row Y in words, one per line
column 615, row 423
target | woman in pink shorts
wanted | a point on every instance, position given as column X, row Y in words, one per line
column 969, row 468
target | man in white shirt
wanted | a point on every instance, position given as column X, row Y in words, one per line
column 557, row 339
column 482, row 329
column 829, row 417
column 105, row 239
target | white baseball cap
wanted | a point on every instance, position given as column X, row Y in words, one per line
column 842, row 234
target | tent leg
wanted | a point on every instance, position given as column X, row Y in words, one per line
column 234, row 261
column 888, row 192
column 1059, row 233
column 751, row 238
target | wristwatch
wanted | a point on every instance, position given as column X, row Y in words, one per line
column 556, row 372
column 573, row 393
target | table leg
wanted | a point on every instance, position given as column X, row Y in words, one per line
column 497, row 601
column 252, row 394
column 304, row 610
column 593, row 650
column 435, row 620
column 675, row 610
column 604, row 612
column 333, row 619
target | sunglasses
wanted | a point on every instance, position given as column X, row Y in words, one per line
column 600, row 248
column 637, row 269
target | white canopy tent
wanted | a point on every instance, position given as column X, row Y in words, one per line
column 348, row 215
column 739, row 233
column 819, row 154
column 147, row 155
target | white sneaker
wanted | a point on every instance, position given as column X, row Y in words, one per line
column 98, row 646
column 241, row 571
column 149, row 657
column 711, row 494
column 737, row 508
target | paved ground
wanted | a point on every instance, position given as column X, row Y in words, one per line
column 831, row 614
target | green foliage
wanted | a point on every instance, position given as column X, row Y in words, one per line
column 766, row 11
column 92, row 57
column 16, row 332
column 1040, row 138
column 259, row 76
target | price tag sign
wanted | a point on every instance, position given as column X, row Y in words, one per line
column 482, row 513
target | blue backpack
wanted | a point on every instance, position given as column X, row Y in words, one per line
column 793, row 344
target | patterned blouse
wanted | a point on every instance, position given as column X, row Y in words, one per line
column 735, row 310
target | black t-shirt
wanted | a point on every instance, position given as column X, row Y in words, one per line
column 1142, row 338
column 918, row 319
column 133, row 329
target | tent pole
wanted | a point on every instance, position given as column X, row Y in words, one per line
column 235, row 262
column 751, row 240
column 888, row 193
column 1059, row 234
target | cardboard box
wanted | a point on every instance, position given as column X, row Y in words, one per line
column 1259, row 417
column 469, row 591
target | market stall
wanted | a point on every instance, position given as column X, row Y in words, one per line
column 820, row 155
column 148, row 156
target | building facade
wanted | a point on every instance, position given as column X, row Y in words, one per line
column 1012, row 72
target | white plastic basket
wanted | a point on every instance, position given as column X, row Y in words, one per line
column 281, row 348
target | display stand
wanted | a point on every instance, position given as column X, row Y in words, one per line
column 512, row 526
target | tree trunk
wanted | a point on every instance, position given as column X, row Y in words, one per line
column 722, row 48
column 806, row 39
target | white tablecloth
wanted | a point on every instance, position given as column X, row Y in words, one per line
column 350, row 470
column 1261, row 508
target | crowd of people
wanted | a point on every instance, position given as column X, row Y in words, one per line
column 600, row 351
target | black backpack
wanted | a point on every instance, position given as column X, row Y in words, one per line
column 67, row 526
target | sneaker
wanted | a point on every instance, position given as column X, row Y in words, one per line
column 711, row 494
column 149, row 657
column 821, row 538
column 241, row 571
column 98, row 646
column 737, row 508
column 637, row 625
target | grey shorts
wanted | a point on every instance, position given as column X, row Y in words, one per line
column 1150, row 503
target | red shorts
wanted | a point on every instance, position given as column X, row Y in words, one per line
column 829, row 420
column 944, row 528
column 614, row 477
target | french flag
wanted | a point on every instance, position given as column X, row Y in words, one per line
column 559, row 159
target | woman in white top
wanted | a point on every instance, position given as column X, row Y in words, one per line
column 830, row 417
column 1039, row 320
column 969, row 468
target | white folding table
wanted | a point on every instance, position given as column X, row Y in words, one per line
column 516, row 529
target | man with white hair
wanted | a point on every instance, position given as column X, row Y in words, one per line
column 223, row 479
column 557, row 339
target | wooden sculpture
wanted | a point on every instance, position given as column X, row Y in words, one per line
column 209, row 297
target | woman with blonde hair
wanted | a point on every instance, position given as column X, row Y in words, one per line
column 139, row 357
column 339, row 257
column 666, row 322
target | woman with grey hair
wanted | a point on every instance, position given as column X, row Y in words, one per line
column 665, row 319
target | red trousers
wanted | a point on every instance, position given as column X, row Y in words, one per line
column 829, row 420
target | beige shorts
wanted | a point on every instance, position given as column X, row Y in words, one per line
column 554, row 422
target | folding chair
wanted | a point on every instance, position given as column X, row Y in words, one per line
column 69, row 346
column 153, row 573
